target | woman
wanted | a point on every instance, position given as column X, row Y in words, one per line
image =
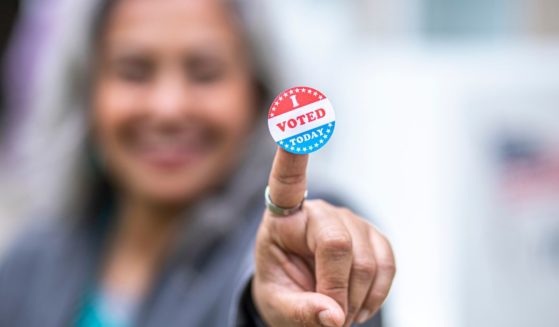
column 166, row 235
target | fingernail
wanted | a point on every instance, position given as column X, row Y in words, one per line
column 325, row 319
column 362, row 316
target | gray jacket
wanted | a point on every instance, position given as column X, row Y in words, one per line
column 45, row 276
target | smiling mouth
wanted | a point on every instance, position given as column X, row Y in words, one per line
column 170, row 150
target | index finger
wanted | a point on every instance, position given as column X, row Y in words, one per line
column 288, row 178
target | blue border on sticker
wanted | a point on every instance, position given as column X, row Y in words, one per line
column 308, row 141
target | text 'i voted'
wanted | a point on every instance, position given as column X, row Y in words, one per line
column 301, row 120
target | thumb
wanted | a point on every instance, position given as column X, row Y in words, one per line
column 288, row 178
column 311, row 309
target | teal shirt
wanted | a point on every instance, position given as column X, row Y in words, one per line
column 104, row 309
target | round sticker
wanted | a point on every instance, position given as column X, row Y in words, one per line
column 301, row 120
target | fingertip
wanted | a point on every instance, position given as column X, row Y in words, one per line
column 332, row 317
column 363, row 316
column 325, row 310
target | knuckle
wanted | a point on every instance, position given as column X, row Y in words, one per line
column 345, row 211
column 364, row 268
column 319, row 203
column 385, row 240
column 300, row 314
column 335, row 285
column 378, row 296
column 290, row 178
column 335, row 242
column 387, row 267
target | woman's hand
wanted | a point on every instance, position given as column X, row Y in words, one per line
column 322, row 266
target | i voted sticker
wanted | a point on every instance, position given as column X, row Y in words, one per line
column 301, row 120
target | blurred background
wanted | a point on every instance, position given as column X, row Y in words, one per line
column 447, row 135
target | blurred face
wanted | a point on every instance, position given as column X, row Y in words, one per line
column 173, row 98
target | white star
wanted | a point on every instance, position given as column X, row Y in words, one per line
column 316, row 145
column 290, row 91
column 292, row 148
column 298, row 149
column 309, row 91
column 330, row 125
column 285, row 94
column 315, row 94
column 328, row 131
column 281, row 142
column 281, row 98
column 321, row 141
column 310, row 147
column 274, row 109
column 297, row 90
column 303, row 90
column 304, row 149
column 271, row 115
column 277, row 103
column 320, row 97
column 325, row 136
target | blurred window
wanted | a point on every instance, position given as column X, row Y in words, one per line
column 468, row 18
